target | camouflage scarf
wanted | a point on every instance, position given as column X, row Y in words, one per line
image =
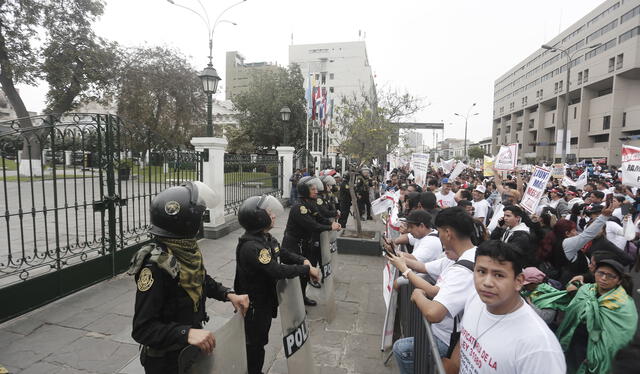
column 192, row 273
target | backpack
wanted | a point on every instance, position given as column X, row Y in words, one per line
column 455, row 334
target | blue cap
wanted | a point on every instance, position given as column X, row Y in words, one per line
column 445, row 180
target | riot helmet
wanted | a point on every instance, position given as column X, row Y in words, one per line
column 305, row 184
column 178, row 211
column 365, row 171
column 328, row 180
column 254, row 214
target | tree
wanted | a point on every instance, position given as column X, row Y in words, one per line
column 161, row 91
column 259, row 108
column 366, row 123
column 475, row 153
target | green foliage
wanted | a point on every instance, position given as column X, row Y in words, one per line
column 260, row 125
column 366, row 123
column 161, row 91
column 475, row 153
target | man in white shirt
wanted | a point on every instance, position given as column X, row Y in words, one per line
column 500, row 332
column 442, row 302
column 425, row 241
column 480, row 205
column 446, row 197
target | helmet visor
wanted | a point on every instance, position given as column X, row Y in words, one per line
column 203, row 195
column 271, row 205
column 315, row 182
column 329, row 180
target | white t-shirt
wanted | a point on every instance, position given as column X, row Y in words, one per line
column 481, row 208
column 427, row 248
column 456, row 284
column 519, row 342
column 446, row 201
column 615, row 234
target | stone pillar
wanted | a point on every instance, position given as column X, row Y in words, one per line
column 343, row 161
column 318, row 157
column 333, row 159
column 213, row 173
column 68, row 158
column 286, row 153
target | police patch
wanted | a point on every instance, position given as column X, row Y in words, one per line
column 277, row 249
column 319, row 201
column 172, row 208
column 265, row 256
column 303, row 209
column 145, row 281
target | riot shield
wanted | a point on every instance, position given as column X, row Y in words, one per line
column 325, row 295
column 295, row 332
column 229, row 355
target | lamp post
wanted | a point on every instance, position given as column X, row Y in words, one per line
column 285, row 115
column 209, row 75
column 565, row 116
column 466, row 120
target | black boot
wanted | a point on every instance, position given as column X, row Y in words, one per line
column 310, row 302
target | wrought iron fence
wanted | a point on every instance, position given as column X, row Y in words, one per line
column 250, row 175
column 325, row 163
column 76, row 191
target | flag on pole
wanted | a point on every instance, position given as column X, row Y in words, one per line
column 308, row 97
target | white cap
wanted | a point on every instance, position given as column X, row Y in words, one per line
column 481, row 188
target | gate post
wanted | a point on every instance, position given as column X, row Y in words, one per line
column 332, row 156
column 317, row 155
column 213, row 173
column 286, row 153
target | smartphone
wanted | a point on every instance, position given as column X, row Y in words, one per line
column 389, row 243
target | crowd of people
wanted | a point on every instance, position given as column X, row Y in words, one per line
column 511, row 291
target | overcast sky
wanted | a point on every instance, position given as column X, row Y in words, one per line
column 447, row 52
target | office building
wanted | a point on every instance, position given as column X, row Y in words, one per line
column 239, row 73
column 341, row 68
column 604, row 94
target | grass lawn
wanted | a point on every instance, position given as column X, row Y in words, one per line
column 23, row 178
column 9, row 164
column 237, row 177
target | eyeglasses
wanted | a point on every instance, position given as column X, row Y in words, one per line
column 605, row 275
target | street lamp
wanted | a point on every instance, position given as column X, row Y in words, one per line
column 466, row 119
column 285, row 115
column 565, row 116
column 209, row 75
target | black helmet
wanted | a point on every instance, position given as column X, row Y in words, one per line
column 305, row 183
column 177, row 212
column 254, row 213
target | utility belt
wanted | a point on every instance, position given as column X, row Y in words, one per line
column 159, row 353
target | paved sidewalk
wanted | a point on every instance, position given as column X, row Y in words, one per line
column 90, row 331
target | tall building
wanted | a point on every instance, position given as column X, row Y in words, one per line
column 604, row 94
column 239, row 73
column 342, row 68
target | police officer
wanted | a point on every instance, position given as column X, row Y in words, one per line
column 327, row 200
column 259, row 265
column 172, row 283
column 363, row 184
column 305, row 220
column 344, row 200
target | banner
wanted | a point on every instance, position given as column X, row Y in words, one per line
column 488, row 166
column 507, row 158
column 381, row 204
column 630, row 165
column 535, row 189
column 447, row 166
column 460, row 166
column 229, row 355
column 557, row 171
column 325, row 295
column 567, row 182
column 559, row 142
column 390, row 295
column 420, row 167
column 582, row 180
column 294, row 327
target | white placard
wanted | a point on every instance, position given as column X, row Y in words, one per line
column 535, row 189
column 460, row 166
column 630, row 166
column 507, row 158
column 558, row 171
column 582, row 179
column 447, row 165
column 420, row 167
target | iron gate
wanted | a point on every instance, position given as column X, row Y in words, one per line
column 76, row 206
column 250, row 175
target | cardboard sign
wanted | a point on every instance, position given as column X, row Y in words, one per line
column 507, row 158
column 420, row 167
column 558, row 171
column 631, row 166
column 488, row 166
column 460, row 166
column 535, row 189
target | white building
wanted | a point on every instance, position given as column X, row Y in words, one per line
column 604, row 96
column 342, row 68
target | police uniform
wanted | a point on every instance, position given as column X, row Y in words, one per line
column 259, row 265
column 344, row 201
column 362, row 189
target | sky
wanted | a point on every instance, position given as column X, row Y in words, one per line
column 448, row 53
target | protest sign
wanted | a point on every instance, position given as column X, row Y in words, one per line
column 567, row 182
column 488, row 166
column 448, row 165
column 557, row 171
column 381, row 204
column 507, row 157
column 631, row 166
column 420, row 167
column 535, row 189
column 582, row 180
column 460, row 166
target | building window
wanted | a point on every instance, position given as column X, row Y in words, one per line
column 553, row 118
column 331, row 89
column 601, row 138
column 538, row 93
column 580, row 78
column 629, row 34
column 575, row 112
column 624, row 119
column 620, row 59
column 560, row 87
column 541, row 94
column 555, row 88
column 531, row 123
column 586, row 76
column 574, row 141
column 612, row 64
column 517, row 137
column 589, row 126
column 331, row 76
column 630, row 14
column 323, row 79
column 606, row 122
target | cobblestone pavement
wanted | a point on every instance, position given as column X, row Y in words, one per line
column 90, row 331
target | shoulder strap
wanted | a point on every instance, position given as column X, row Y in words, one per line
column 465, row 263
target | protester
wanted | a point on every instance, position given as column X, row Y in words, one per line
column 446, row 197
